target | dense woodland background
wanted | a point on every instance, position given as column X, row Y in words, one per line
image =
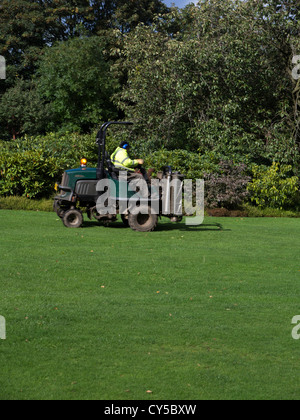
column 213, row 89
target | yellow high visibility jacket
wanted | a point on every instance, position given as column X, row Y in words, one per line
column 121, row 160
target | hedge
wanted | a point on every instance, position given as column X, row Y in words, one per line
column 29, row 167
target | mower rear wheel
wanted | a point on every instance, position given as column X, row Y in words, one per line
column 73, row 219
column 144, row 221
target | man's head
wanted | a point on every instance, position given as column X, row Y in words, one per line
column 124, row 145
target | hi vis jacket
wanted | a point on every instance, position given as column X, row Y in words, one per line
column 121, row 159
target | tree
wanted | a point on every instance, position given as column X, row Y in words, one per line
column 129, row 14
column 27, row 27
column 280, row 23
column 75, row 79
column 22, row 110
column 22, row 27
column 220, row 83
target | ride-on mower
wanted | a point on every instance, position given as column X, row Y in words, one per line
column 82, row 188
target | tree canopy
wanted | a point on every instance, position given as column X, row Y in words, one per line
column 75, row 79
column 214, row 77
column 223, row 83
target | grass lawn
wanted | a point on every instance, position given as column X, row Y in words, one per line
column 189, row 314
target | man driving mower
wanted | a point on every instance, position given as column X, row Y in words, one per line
column 121, row 160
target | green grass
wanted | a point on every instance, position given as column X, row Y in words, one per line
column 108, row 313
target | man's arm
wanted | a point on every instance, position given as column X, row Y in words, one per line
column 129, row 163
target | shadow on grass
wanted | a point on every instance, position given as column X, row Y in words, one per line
column 163, row 227
column 215, row 227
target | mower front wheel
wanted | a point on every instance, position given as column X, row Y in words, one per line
column 60, row 211
column 73, row 218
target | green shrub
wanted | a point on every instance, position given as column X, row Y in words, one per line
column 274, row 187
column 23, row 203
column 254, row 211
column 68, row 148
column 191, row 165
column 30, row 167
column 28, row 173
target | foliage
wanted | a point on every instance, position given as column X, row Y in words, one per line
column 274, row 186
column 23, row 203
column 22, row 36
column 75, row 79
column 31, row 166
column 215, row 77
column 68, row 148
column 128, row 15
column 22, row 110
column 191, row 165
column 28, row 173
column 254, row 211
column 27, row 26
column 227, row 187
column 203, row 84
column 218, row 83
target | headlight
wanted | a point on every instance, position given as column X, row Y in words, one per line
column 83, row 163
